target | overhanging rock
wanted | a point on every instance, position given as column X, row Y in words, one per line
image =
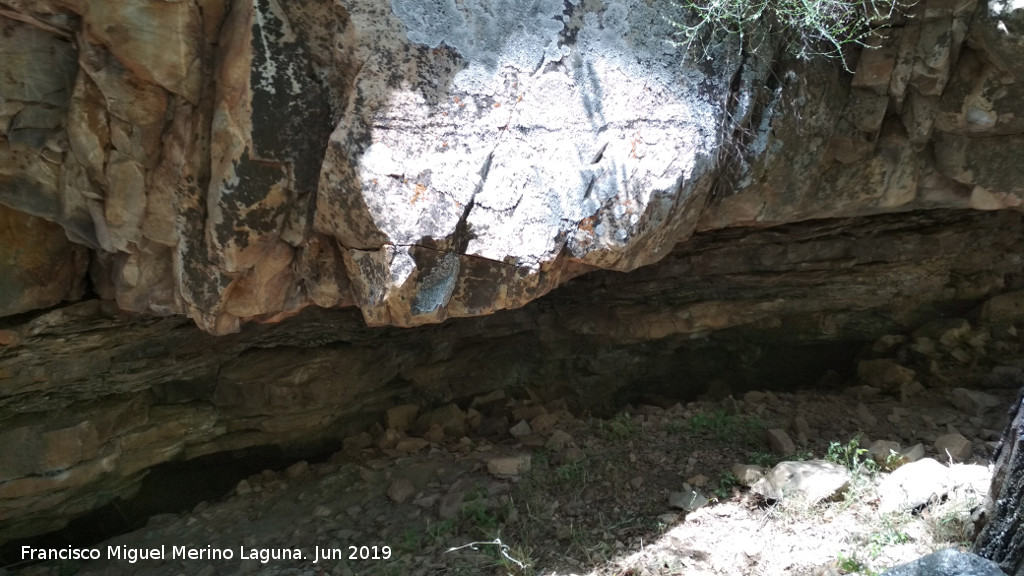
column 492, row 149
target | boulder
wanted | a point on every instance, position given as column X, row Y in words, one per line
column 954, row 446
column 401, row 417
column 948, row 562
column 973, row 402
column 450, row 419
column 688, row 500
column 780, row 442
column 509, row 465
column 811, row 481
column 884, row 374
column 913, row 485
column 747, row 474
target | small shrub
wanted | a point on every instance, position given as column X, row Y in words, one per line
column 570, row 473
column 619, row 428
column 726, row 482
column 808, row 27
column 851, row 455
column 726, row 427
column 889, row 533
column 852, row 564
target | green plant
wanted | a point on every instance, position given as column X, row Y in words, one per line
column 619, row 428
column 851, row 455
column 764, row 459
column 889, row 533
column 806, row 27
column 480, row 515
column 571, row 473
column 541, row 459
column 725, row 427
column 672, row 426
column 412, row 539
column 441, row 529
column 893, row 461
column 852, row 564
column 723, row 489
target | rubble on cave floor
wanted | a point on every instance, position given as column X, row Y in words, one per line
column 875, row 472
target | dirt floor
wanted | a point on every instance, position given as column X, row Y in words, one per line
column 572, row 494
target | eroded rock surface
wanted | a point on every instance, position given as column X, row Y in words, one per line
column 427, row 161
column 92, row 397
column 212, row 165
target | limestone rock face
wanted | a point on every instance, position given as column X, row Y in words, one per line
column 486, row 148
column 423, row 162
column 415, row 162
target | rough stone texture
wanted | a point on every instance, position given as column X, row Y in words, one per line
column 428, row 161
column 39, row 266
column 126, row 392
column 1002, row 537
column 954, row 446
column 948, row 562
column 811, row 481
column 925, row 481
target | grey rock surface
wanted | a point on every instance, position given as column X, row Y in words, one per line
column 948, row 562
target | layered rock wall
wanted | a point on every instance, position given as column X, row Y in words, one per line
column 240, row 161
column 192, row 166
column 92, row 397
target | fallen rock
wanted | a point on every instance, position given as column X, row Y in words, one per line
column 948, row 562
column 449, row 418
column 954, row 446
column 401, row 417
column 698, row 480
column 689, row 500
column 434, row 434
column 747, row 474
column 913, row 485
column 401, row 490
column 357, row 442
column 865, row 416
column 558, row 441
column 886, row 344
column 914, row 453
column 474, row 418
column 521, row 429
column 668, row 519
column 884, row 374
column 973, row 402
column 389, row 439
column 968, row 484
column 947, row 331
column 427, row 501
column 509, row 465
column 243, row 487
column 1007, row 307
column 811, row 481
column 880, row 450
column 297, row 470
column 410, row 445
column 528, row 412
column 543, row 423
column 451, row 503
column 801, row 427
column 780, row 442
